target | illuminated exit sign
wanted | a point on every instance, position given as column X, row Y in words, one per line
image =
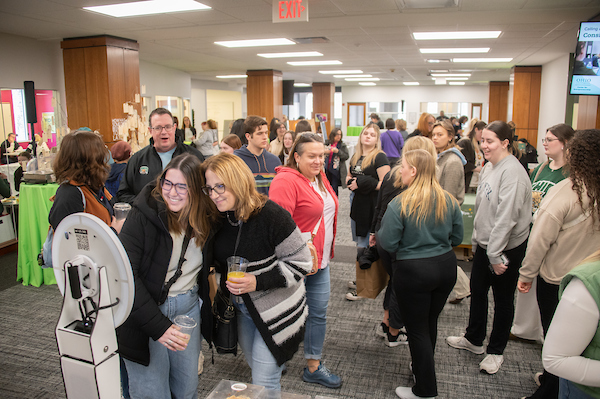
column 290, row 11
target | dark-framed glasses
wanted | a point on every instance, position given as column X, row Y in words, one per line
column 218, row 188
column 547, row 140
column 158, row 129
column 180, row 188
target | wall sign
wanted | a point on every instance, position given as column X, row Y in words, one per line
column 290, row 11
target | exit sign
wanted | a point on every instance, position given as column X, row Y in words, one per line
column 290, row 11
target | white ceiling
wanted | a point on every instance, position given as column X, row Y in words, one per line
column 374, row 35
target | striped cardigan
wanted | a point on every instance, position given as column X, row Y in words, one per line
column 279, row 258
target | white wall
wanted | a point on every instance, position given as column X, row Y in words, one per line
column 553, row 98
column 163, row 81
column 414, row 96
column 198, row 96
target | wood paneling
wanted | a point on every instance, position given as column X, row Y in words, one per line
column 101, row 74
column 526, row 101
column 264, row 92
column 587, row 112
column 323, row 103
column 498, row 101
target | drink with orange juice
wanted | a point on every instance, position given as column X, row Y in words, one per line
column 234, row 274
column 236, row 268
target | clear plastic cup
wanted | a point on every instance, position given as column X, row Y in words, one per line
column 185, row 324
column 236, row 268
column 121, row 209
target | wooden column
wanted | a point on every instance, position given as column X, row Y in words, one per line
column 587, row 113
column 264, row 93
column 498, row 101
column 101, row 74
column 323, row 100
column 526, row 100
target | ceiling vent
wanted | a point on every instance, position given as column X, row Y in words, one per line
column 420, row 4
column 311, row 40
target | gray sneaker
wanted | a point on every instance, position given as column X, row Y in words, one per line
column 462, row 343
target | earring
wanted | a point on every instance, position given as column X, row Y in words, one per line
column 562, row 148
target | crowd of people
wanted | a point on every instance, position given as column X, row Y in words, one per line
column 270, row 195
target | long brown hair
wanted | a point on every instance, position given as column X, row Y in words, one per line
column 83, row 159
column 196, row 214
column 584, row 165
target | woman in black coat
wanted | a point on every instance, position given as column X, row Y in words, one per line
column 168, row 230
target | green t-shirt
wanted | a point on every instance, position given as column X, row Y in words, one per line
column 545, row 181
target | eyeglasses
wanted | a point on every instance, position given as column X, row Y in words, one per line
column 546, row 141
column 219, row 189
column 158, row 129
column 180, row 188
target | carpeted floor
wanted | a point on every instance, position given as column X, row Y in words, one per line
column 29, row 361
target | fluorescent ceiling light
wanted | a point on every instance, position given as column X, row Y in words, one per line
column 437, row 61
column 450, row 78
column 439, row 70
column 352, row 76
column 456, row 83
column 367, row 84
column 256, row 42
column 147, row 8
column 340, row 72
column 410, row 83
column 453, row 50
column 481, row 59
column 362, row 79
column 456, row 35
column 441, row 75
column 440, row 81
column 290, row 55
column 309, row 63
column 302, row 85
column 232, row 76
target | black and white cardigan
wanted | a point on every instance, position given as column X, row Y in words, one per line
column 279, row 258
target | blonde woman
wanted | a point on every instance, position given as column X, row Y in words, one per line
column 368, row 167
column 421, row 226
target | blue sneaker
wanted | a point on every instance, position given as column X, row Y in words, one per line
column 322, row 376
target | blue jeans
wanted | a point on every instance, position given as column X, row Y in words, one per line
column 265, row 370
column 568, row 390
column 317, row 299
column 170, row 374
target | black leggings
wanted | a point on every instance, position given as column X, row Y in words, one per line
column 422, row 287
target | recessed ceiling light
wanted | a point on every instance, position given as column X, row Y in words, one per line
column 147, row 8
column 456, row 83
column 340, row 72
column 362, row 79
column 456, row 35
column 481, row 59
column 256, row 42
column 449, row 78
column 441, row 75
column 439, row 70
column 453, row 50
column 410, row 83
column 367, row 84
column 232, row 76
column 290, row 55
column 352, row 76
column 309, row 63
column 440, row 81
column 302, row 85
column 438, row 61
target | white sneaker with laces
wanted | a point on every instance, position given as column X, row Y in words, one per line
column 353, row 296
column 462, row 343
column 352, row 285
column 407, row 393
column 491, row 363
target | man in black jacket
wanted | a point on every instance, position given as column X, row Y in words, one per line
column 145, row 165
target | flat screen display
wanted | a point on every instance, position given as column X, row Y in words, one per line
column 586, row 80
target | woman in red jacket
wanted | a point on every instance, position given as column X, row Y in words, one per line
column 302, row 189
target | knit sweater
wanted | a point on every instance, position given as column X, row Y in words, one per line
column 561, row 236
column 279, row 258
column 451, row 173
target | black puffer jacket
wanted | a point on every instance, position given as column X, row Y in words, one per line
column 148, row 243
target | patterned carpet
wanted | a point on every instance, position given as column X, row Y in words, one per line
column 30, row 365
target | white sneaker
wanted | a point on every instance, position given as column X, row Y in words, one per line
column 537, row 378
column 491, row 363
column 353, row 296
column 400, row 339
column 352, row 285
column 463, row 343
column 200, row 363
column 407, row 393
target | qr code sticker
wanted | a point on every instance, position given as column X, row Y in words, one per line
column 83, row 242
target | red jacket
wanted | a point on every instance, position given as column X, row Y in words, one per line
column 294, row 193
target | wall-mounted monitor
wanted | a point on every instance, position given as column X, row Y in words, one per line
column 586, row 80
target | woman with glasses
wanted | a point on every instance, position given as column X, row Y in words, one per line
column 566, row 229
column 303, row 190
column 273, row 309
column 424, row 127
column 167, row 236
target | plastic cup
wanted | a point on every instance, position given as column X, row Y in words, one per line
column 121, row 210
column 236, row 267
column 185, row 324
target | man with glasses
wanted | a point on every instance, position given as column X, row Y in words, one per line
column 146, row 164
column 261, row 162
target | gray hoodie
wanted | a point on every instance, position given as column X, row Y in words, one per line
column 451, row 173
column 502, row 207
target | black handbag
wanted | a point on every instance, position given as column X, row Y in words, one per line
column 225, row 332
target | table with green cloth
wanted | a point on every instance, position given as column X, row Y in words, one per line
column 34, row 207
column 468, row 211
column 354, row 130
